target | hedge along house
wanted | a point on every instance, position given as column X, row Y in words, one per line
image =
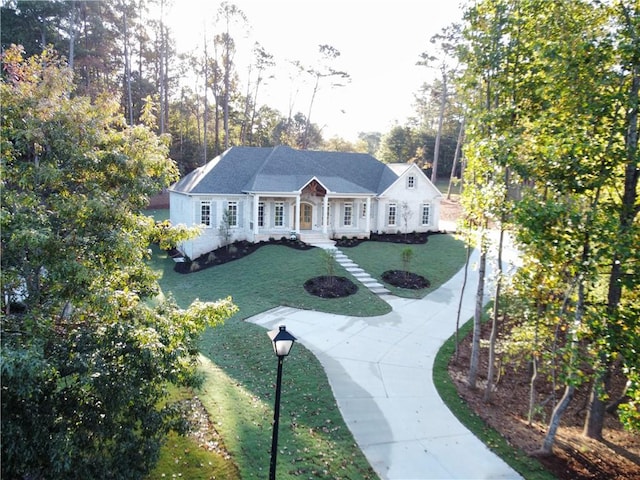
column 258, row 193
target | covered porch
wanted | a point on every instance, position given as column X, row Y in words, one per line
column 312, row 214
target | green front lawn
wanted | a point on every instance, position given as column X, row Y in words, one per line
column 437, row 260
column 240, row 367
column 271, row 276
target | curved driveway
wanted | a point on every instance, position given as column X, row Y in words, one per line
column 380, row 370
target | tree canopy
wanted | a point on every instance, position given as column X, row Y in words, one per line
column 556, row 115
column 87, row 354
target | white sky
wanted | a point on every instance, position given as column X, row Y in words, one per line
column 379, row 40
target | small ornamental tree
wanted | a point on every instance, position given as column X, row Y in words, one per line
column 329, row 259
column 405, row 215
column 85, row 357
column 224, row 229
column 407, row 256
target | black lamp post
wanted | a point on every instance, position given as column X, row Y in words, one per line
column 282, row 343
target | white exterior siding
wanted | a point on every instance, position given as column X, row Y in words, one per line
column 413, row 189
column 365, row 212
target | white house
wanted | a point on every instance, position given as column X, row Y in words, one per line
column 277, row 191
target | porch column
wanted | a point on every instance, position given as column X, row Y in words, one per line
column 368, row 219
column 325, row 214
column 297, row 214
column 256, row 201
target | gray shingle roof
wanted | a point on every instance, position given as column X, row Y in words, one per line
column 282, row 169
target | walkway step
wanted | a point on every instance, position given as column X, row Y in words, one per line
column 355, row 271
column 359, row 274
column 380, row 291
column 349, row 265
column 324, row 244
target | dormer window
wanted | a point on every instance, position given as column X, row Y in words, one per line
column 411, row 181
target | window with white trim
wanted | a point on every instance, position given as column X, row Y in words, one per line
column 348, row 215
column 232, row 209
column 278, row 218
column 426, row 214
column 411, row 181
column 392, row 214
column 261, row 214
column 205, row 213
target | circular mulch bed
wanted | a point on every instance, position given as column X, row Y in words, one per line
column 404, row 279
column 330, row 286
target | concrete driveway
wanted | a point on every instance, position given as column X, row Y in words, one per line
column 380, row 370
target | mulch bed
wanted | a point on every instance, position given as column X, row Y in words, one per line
column 574, row 456
column 232, row 252
column 326, row 286
column 413, row 238
column 405, row 279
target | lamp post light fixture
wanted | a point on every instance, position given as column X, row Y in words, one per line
column 282, row 343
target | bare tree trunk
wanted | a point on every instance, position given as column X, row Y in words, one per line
column 477, row 317
column 227, row 83
column 205, row 117
column 456, row 157
column 216, row 102
column 436, row 149
column 594, row 422
column 464, row 284
column 140, row 50
column 255, row 107
column 628, row 211
column 622, row 398
column 165, row 88
column 161, row 67
column 127, row 67
column 72, row 36
column 305, row 141
column 247, row 107
column 532, row 387
column 225, row 103
column 549, row 439
column 496, row 311
column 197, row 113
column 558, row 411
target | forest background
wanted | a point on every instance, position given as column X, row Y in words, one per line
column 216, row 94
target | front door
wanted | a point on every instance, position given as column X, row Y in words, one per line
column 305, row 216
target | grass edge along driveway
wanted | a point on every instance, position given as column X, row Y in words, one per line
column 240, row 368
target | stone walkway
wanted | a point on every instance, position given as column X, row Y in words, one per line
column 360, row 275
column 353, row 268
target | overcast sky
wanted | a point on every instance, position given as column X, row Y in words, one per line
column 379, row 41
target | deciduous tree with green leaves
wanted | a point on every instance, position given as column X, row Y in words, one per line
column 87, row 355
column 564, row 111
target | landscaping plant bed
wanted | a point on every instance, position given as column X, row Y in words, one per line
column 232, row 252
column 414, row 238
column 326, row 286
column 243, row 248
column 404, row 279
